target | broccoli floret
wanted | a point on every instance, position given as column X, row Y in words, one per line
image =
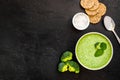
column 66, row 56
column 62, row 67
column 73, row 66
column 67, row 63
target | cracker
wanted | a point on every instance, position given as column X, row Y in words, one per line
column 91, row 13
column 87, row 4
column 95, row 19
column 102, row 9
column 96, row 5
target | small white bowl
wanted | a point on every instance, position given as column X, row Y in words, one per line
column 80, row 21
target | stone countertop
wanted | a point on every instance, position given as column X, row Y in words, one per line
column 34, row 33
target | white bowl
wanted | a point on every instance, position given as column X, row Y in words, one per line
column 83, row 57
column 80, row 21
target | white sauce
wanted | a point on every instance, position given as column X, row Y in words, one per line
column 80, row 21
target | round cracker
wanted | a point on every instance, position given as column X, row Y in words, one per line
column 101, row 10
column 96, row 5
column 95, row 19
column 87, row 4
column 91, row 13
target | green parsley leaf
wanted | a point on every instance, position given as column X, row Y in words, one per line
column 97, row 45
column 103, row 46
column 99, row 52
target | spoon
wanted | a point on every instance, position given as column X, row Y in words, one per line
column 110, row 26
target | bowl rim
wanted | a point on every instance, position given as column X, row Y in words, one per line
column 98, row 67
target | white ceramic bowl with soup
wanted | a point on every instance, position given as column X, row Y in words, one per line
column 86, row 49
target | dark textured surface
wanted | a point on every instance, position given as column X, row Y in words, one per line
column 34, row 33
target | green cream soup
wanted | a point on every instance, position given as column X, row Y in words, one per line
column 85, row 51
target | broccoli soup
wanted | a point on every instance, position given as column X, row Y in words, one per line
column 94, row 51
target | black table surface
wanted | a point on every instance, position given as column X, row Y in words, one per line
column 34, row 34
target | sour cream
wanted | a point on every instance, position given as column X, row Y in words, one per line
column 80, row 21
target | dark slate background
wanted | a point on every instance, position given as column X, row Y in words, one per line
column 34, row 34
